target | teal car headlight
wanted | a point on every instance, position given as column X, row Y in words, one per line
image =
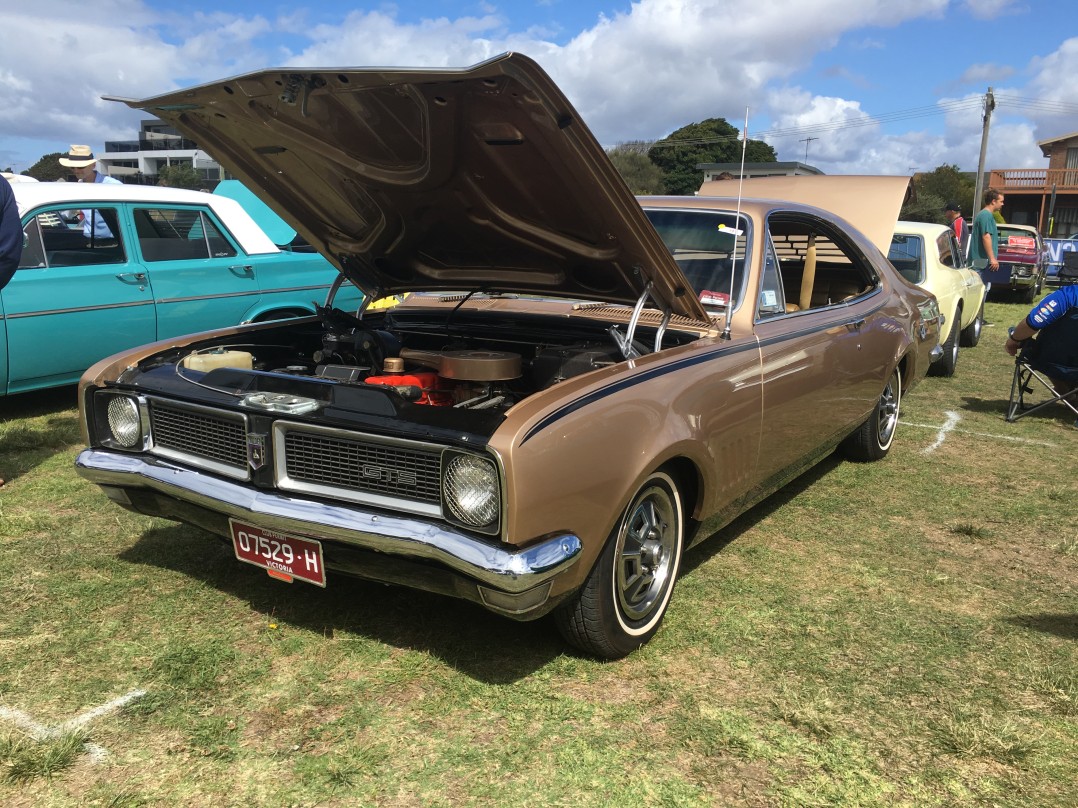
column 472, row 491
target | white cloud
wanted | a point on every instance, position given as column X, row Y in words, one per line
column 991, row 9
column 637, row 74
column 985, row 73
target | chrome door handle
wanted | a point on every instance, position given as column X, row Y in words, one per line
column 137, row 277
column 241, row 269
column 856, row 325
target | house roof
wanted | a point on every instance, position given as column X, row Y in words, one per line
column 1045, row 144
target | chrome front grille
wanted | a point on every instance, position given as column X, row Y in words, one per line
column 201, row 435
column 327, row 459
column 336, row 463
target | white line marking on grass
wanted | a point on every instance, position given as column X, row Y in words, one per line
column 22, row 721
column 937, row 427
column 952, row 421
column 41, row 732
column 80, row 721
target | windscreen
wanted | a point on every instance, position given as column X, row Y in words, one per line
column 709, row 247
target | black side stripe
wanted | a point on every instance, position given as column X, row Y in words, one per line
column 625, row 384
column 598, row 395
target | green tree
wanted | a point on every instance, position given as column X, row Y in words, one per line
column 48, row 168
column 180, row 175
column 640, row 174
column 934, row 189
column 710, row 141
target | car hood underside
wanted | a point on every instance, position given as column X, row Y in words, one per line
column 479, row 179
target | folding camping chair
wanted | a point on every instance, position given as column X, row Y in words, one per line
column 1068, row 271
column 1051, row 360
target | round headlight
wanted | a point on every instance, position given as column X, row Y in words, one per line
column 125, row 422
column 471, row 490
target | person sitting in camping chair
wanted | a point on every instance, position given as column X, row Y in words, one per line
column 1054, row 352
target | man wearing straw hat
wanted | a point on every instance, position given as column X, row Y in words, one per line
column 82, row 161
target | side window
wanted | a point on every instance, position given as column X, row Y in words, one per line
column 906, row 254
column 772, row 298
column 949, row 253
column 819, row 265
column 176, row 234
column 56, row 239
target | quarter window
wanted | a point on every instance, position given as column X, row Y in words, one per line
column 772, row 297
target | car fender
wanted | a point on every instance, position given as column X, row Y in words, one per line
column 574, row 455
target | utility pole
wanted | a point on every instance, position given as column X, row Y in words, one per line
column 806, row 141
column 978, row 194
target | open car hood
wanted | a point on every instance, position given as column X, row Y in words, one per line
column 871, row 204
column 483, row 178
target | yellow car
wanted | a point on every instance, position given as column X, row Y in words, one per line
column 928, row 255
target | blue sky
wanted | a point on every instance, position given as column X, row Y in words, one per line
column 880, row 86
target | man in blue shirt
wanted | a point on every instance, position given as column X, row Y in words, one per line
column 1056, row 352
column 10, row 233
column 1052, row 308
column 84, row 165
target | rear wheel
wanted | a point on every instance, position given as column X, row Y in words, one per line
column 873, row 439
column 971, row 334
column 946, row 364
column 624, row 599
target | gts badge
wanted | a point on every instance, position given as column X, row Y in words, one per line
column 384, row 474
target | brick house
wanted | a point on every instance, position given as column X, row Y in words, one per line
column 1046, row 198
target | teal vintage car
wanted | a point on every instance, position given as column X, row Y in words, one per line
column 107, row 267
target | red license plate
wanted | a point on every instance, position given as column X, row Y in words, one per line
column 281, row 555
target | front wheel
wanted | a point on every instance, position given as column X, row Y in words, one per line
column 623, row 601
column 873, row 439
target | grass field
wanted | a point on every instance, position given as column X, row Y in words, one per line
column 900, row 633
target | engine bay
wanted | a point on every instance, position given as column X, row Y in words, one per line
column 472, row 360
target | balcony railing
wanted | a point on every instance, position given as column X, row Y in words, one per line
column 165, row 143
column 1034, row 180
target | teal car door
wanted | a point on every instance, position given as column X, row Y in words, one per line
column 73, row 300
column 202, row 279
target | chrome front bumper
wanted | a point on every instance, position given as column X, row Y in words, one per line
column 509, row 581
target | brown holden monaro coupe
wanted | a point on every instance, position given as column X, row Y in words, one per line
column 580, row 385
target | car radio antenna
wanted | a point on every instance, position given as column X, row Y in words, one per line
column 737, row 230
